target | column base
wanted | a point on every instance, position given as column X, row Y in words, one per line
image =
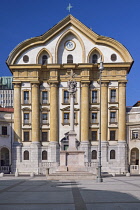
column 54, row 152
column 16, row 155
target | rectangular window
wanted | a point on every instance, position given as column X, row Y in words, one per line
column 26, row 135
column 66, row 118
column 4, row 130
column 94, row 118
column 112, row 117
column 113, row 96
column 44, row 118
column 44, row 136
column 26, row 97
column 26, row 118
column 44, row 97
column 112, row 135
column 94, row 96
column 66, row 97
column 93, row 135
column 135, row 134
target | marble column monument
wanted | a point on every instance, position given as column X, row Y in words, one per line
column 72, row 159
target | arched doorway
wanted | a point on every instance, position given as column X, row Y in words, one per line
column 4, row 157
column 4, row 160
column 134, row 161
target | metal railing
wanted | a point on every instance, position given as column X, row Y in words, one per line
column 4, row 169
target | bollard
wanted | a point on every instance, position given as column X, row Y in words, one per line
column 1, row 174
column 113, row 174
column 16, row 173
column 32, row 174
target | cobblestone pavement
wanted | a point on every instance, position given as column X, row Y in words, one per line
column 26, row 193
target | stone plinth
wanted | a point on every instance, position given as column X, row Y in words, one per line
column 72, row 141
column 72, row 161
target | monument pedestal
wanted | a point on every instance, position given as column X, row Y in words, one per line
column 72, row 159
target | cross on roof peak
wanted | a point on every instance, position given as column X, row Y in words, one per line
column 69, row 7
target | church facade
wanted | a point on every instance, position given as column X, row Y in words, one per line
column 41, row 68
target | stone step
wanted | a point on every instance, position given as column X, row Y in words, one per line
column 71, row 176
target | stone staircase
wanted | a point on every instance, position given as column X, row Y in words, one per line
column 71, row 175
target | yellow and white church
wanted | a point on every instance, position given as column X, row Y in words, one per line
column 41, row 67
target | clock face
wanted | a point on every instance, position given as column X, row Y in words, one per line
column 69, row 45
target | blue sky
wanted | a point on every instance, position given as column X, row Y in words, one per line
column 120, row 19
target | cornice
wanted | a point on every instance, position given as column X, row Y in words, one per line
column 78, row 66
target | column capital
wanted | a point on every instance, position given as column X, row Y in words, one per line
column 122, row 83
column 85, row 84
column 52, row 84
column 35, row 84
column 17, row 84
column 104, row 83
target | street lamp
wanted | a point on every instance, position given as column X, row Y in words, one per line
column 99, row 177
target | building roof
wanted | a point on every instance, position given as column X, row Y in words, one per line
column 136, row 104
column 2, row 109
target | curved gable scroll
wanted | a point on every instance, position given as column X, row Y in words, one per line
column 57, row 29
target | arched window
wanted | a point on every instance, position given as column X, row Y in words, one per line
column 26, row 155
column 69, row 59
column 112, row 154
column 94, row 155
column 44, row 155
column 44, row 59
column 94, row 58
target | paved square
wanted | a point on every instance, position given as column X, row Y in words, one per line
column 26, row 193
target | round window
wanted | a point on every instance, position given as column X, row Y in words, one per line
column 113, row 57
column 25, row 58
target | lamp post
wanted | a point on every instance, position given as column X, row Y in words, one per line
column 99, row 177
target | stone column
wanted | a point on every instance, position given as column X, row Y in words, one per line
column 54, row 113
column 104, row 110
column 85, row 112
column 54, row 125
column 17, row 112
column 104, row 123
column 85, row 121
column 122, row 112
column 72, row 111
column 35, row 113
column 17, row 145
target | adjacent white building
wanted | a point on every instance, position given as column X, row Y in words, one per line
column 133, row 137
column 6, row 138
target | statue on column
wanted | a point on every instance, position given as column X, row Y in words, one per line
column 72, row 84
